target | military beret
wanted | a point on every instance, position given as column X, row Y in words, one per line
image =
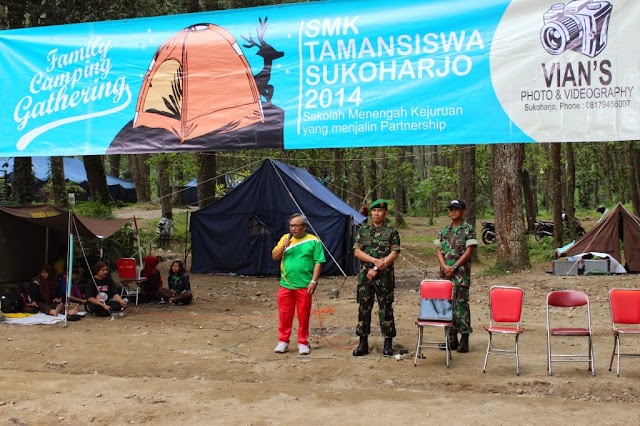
column 379, row 204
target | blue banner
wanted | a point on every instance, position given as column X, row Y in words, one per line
column 326, row 74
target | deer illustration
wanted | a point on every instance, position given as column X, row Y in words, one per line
column 268, row 54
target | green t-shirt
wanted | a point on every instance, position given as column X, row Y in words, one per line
column 298, row 261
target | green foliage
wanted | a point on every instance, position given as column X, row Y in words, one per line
column 93, row 209
column 121, row 244
column 70, row 187
column 541, row 251
column 442, row 182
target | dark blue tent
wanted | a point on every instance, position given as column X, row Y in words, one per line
column 237, row 233
column 190, row 193
column 74, row 171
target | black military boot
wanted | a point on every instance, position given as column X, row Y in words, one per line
column 388, row 347
column 363, row 347
column 464, row 344
column 453, row 340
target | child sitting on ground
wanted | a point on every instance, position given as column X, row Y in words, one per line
column 179, row 290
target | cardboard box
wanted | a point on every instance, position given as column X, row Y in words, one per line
column 565, row 268
column 592, row 265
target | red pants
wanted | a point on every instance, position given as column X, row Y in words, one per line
column 288, row 302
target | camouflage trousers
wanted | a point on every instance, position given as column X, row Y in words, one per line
column 461, row 310
column 382, row 289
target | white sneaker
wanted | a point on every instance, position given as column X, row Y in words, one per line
column 303, row 349
column 281, row 348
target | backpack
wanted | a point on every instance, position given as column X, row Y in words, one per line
column 11, row 303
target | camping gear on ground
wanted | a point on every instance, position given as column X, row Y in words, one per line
column 236, row 233
column 617, row 226
column 11, row 303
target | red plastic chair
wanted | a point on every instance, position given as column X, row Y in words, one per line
column 439, row 290
column 505, row 310
column 569, row 299
column 128, row 273
column 625, row 314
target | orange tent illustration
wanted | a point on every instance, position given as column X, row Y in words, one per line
column 199, row 82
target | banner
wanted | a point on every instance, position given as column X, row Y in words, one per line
column 325, row 74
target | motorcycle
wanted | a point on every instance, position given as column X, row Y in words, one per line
column 488, row 233
column 544, row 228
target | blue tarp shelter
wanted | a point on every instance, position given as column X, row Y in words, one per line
column 236, row 233
column 74, row 171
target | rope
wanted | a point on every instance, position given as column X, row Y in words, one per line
column 310, row 225
column 171, row 194
column 322, row 334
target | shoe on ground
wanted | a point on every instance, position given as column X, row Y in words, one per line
column 303, row 349
column 119, row 314
column 281, row 348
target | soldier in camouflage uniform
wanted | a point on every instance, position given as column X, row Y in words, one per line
column 377, row 246
column 455, row 244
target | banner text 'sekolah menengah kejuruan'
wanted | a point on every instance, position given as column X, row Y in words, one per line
column 327, row 74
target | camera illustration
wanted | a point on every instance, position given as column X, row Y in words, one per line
column 580, row 25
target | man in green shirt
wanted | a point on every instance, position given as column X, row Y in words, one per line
column 301, row 256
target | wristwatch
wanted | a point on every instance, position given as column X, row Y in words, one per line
column 375, row 268
column 314, row 282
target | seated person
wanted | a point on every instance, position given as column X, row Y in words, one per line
column 102, row 293
column 76, row 297
column 41, row 293
column 152, row 279
column 179, row 290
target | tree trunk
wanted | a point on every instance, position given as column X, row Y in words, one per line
column 114, row 165
column 357, row 184
column 373, row 176
column 59, row 188
column 97, row 179
column 433, row 202
column 422, row 162
column 468, row 182
column 23, row 187
column 570, row 189
column 529, row 200
column 164, row 187
column 206, row 176
column 140, row 176
column 511, row 245
column 632, row 167
column 607, row 176
column 338, row 167
column 400, row 197
column 555, row 190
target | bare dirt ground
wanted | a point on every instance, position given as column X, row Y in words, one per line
column 213, row 363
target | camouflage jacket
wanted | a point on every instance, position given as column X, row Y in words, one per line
column 453, row 241
column 377, row 242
